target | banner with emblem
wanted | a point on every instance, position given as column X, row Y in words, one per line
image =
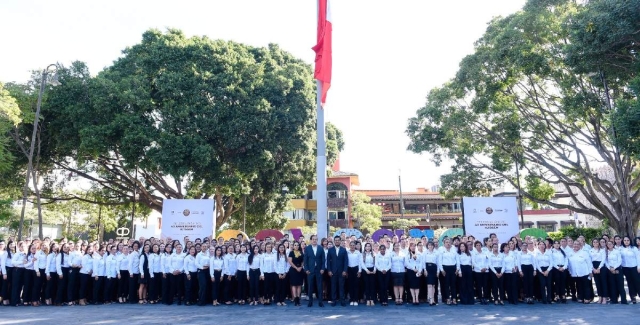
column 192, row 217
column 486, row 215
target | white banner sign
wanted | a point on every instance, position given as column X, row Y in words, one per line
column 193, row 218
column 487, row 215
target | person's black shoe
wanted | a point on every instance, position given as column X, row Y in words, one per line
column 343, row 304
column 321, row 304
column 310, row 304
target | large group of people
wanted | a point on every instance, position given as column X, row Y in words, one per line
column 341, row 270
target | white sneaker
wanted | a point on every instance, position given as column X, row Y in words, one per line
column 351, row 303
column 355, row 303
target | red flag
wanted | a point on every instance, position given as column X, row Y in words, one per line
column 323, row 48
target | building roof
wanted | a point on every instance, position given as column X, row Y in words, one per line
column 421, row 193
column 340, row 174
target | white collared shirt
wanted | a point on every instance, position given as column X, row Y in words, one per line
column 99, row 266
column 397, row 262
column 134, row 263
column 202, row 260
column 580, row 264
column 354, row 259
column 216, row 264
column 111, row 262
column 177, row 262
column 383, row 262
column 242, row 261
column 629, row 256
column 268, row 263
column 189, row 264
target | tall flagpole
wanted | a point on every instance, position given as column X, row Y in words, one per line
column 321, row 167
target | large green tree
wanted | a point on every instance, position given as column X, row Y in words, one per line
column 367, row 216
column 521, row 97
column 186, row 117
column 9, row 118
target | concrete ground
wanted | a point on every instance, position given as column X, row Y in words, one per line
column 570, row 314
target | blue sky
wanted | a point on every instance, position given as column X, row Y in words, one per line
column 387, row 56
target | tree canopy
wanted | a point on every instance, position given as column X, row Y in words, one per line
column 186, row 117
column 536, row 91
column 367, row 216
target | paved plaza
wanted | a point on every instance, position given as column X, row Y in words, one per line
column 569, row 314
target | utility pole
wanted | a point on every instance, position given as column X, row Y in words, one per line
column 401, row 199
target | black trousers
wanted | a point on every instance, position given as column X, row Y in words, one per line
column 545, row 285
column 155, row 285
column 633, row 279
column 74, row 284
column 167, row 299
column 369, row 285
column 337, row 287
column 134, row 280
column 242, row 282
column 123, row 284
column 254, row 284
column 229, row 288
column 497, row 285
column 216, row 285
column 190, row 286
column 203, row 280
column 52, row 284
column 352, row 274
column 527, row 280
column 601, row 281
column 98, row 289
column 616, row 286
column 315, row 278
column 466, row 285
column 177, row 286
column 449, row 288
column 16, row 285
column 110, row 285
column 6, row 284
column 559, row 282
column 84, row 284
column 582, row 287
column 28, row 289
column 571, row 284
column 270, row 280
column 383, row 286
column 511, row 287
column 481, row 280
column 281, row 288
column 62, row 284
column 39, row 284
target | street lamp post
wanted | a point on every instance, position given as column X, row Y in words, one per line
column 25, row 191
column 519, row 195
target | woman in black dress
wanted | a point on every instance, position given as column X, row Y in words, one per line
column 296, row 274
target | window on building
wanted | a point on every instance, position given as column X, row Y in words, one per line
column 341, row 215
column 333, row 215
column 547, row 228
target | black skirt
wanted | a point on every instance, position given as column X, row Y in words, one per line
column 146, row 278
column 295, row 277
column 432, row 274
column 414, row 281
column 398, row 279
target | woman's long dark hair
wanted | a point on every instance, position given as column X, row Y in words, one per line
column 284, row 252
column 9, row 248
column 252, row 254
column 29, row 251
column 466, row 249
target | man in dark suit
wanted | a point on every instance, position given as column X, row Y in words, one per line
column 337, row 262
column 314, row 266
